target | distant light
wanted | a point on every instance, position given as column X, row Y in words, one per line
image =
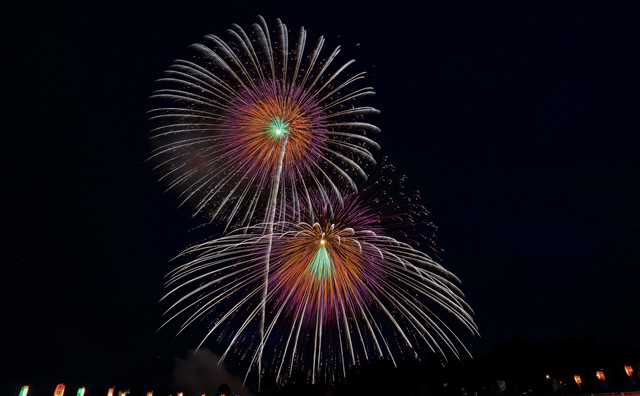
column 547, row 376
column 180, row 394
column 600, row 375
column 149, row 393
column 111, row 391
column 81, row 392
column 578, row 379
column 25, row 389
column 59, row 390
column 627, row 370
column 445, row 385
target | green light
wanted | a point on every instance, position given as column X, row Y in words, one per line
column 277, row 128
column 24, row 390
column 321, row 265
column 81, row 392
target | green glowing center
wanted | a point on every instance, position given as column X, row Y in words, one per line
column 321, row 265
column 277, row 128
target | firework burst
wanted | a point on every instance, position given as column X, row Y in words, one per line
column 250, row 121
column 348, row 282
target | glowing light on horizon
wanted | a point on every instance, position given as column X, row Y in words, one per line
column 111, row 390
column 600, row 375
column 24, row 391
column 59, row 390
column 80, row 392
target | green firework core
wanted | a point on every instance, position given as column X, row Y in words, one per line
column 277, row 128
column 321, row 265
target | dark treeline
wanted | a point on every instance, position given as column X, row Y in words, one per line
column 522, row 366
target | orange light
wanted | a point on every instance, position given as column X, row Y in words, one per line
column 180, row 394
column 600, row 375
column 149, row 393
column 578, row 379
column 111, row 391
column 59, row 390
column 628, row 370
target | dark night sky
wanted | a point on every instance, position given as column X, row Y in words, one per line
column 519, row 125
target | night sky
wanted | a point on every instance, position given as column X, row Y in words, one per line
column 519, row 125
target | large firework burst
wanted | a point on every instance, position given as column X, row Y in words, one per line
column 250, row 121
column 347, row 283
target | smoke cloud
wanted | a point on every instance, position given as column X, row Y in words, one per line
column 200, row 373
